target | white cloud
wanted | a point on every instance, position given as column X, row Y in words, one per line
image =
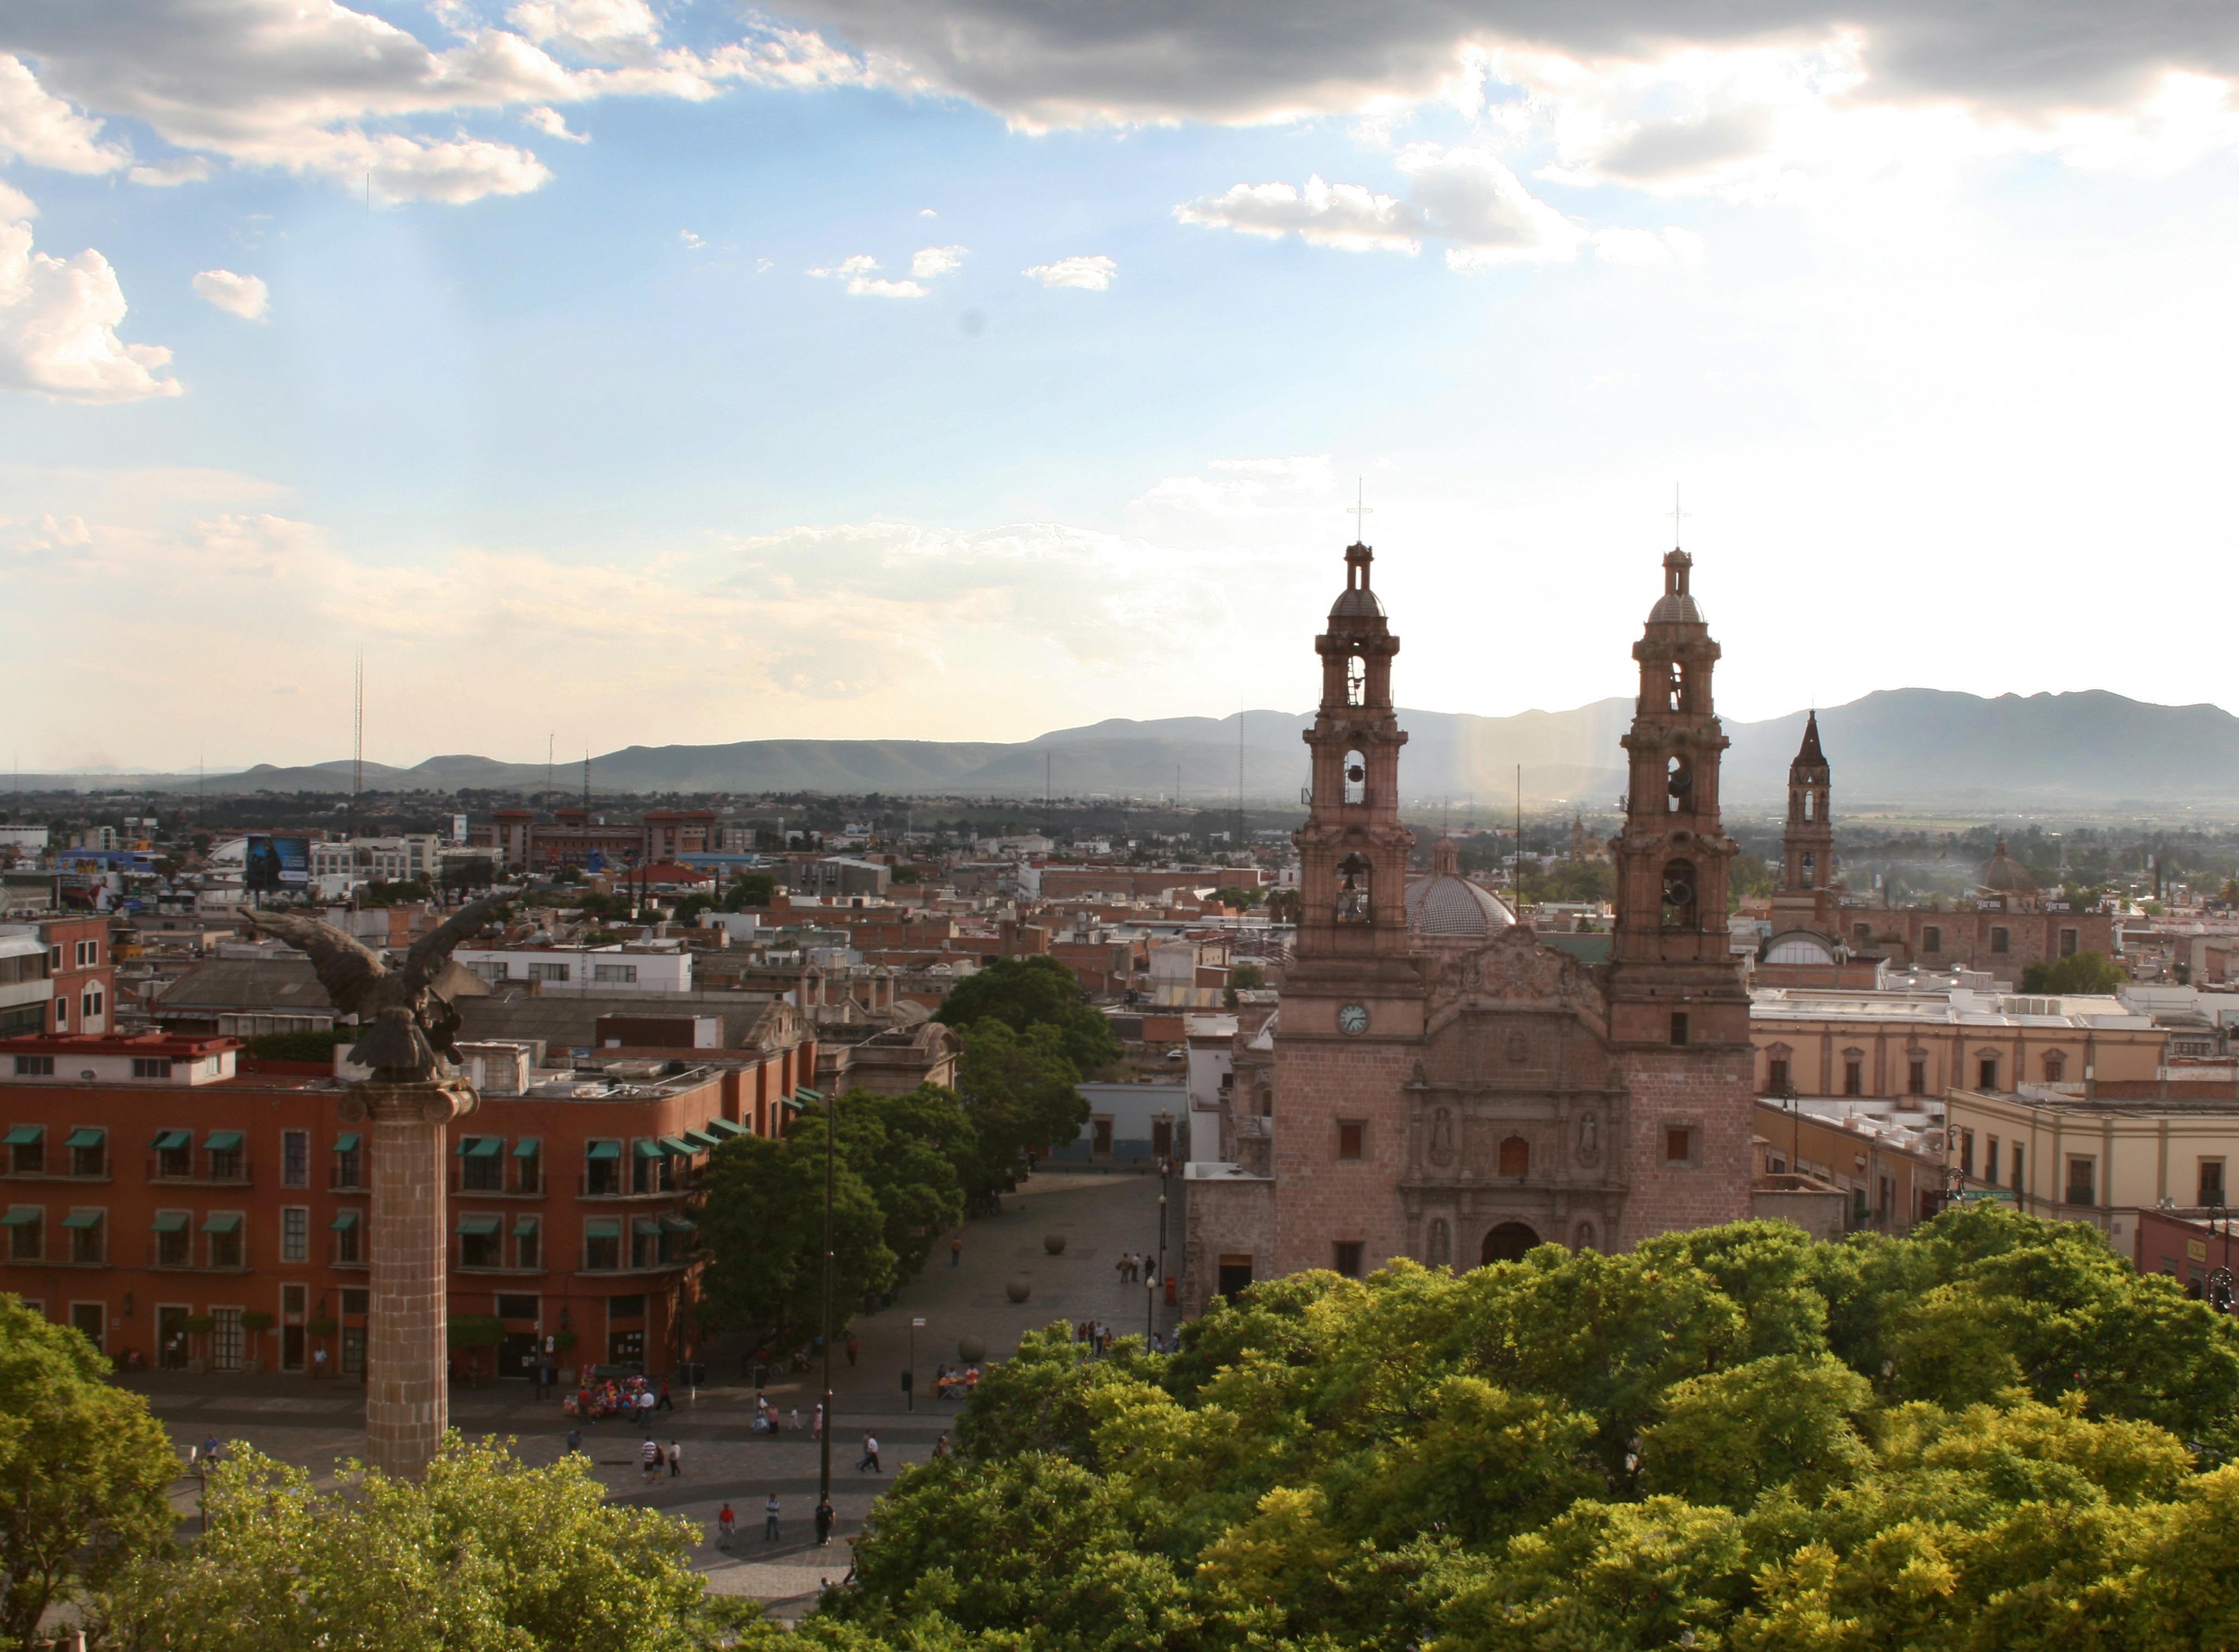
column 859, row 272
column 246, row 296
column 688, row 240
column 44, row 131
column 592, row 22
column 930, row 261
column 58, row 322
column 1464, row 196
column 1092, row 273
column 163, row 175
column 552, row 124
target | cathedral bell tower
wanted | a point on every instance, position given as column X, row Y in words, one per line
column 1353, row 850
column 1807, row 859
column 1673, row 980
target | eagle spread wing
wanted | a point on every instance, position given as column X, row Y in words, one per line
column 349, row 970
column 424, row 963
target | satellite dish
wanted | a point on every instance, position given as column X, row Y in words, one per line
column 87, row 1075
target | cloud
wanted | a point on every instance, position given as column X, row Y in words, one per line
column 1463, row 196
column 246, row 296
column 1130, row 61
column 58, row 322
column 552, row 124
column 185, row 168
column 44, row 131
column 1093, row 273
column 930, row 261
column 862, row 282
column 322, row 90
column 688, row 240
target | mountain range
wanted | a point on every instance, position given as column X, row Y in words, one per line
column 1895, row 747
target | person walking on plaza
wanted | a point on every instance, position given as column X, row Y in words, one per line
column 940, row 1446
column 870, row 1457
column 645, row 1404
column 726, row 1523
column 575, row 1441
column 796, row 1424
column 769, row 1519
column 824, row 1523
column 816, row 1429
column 664, row 1403
column 649, row 1459
column 956, row 1252
column 852, row 1346
column 675, row 1460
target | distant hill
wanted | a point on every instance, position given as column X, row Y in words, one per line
column 1904, row 746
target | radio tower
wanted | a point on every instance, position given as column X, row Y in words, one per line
column 357, row 743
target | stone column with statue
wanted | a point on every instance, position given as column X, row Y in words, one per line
column 408, row 1104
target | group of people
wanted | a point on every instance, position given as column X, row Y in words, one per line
column 727, row 1522
column 1095, row 1336
column 632, row 1398
column 947, row 1385
column 651, row 1456
column 767, row 1421
column 1132, row 1266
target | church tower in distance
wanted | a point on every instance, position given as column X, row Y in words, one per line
column 1679, row 1008
column 1807, row 859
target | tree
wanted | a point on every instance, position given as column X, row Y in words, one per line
column 1285, row 906
column 1022, row 1095
column 2081, row 973
column 485, row 1553
column 1247, row 977
column 751, row 889
column 85, row 1471
column 763, row 1222
column 1026, row 993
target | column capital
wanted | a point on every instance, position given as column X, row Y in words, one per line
column 431, row 1101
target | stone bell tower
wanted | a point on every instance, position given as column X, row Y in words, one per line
column 1678, row 1010
column 1351, row 1019
column 1807, row 859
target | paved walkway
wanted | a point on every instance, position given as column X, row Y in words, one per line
column 318, row 1425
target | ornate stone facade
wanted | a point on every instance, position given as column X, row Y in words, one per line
column 1438, row 1084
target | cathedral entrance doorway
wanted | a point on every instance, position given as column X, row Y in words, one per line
column 1508, row 1243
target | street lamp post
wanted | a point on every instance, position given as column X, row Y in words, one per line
column 2220, row 1292
column 824, row 1466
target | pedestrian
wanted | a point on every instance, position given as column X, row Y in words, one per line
column 665, row 1403
column 824, row 1523
column 726, row 1523
column 956, row 1252
column 1120, row 1266
column 649, row 1459
column 940, row 1446
column 212, row 1451
column 645, row 1404
column 870, row 1457
column 769, row 1519
column 318, row 1363
column 852, row 1345
column 795, row 1424
column 675, row 1460
column 816, row 1429
column 575, row 1441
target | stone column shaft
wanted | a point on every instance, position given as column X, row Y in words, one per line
column 407, row 1398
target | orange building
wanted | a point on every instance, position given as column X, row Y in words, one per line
column 149, row 1185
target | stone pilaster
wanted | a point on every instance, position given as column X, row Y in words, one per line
column 408, row 1399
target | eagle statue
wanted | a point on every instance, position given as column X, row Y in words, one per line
column 404, row 1011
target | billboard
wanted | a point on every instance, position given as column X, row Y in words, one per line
column 271, row 862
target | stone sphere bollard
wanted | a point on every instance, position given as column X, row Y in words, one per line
column 1054, row 1243
column 971, row 1350
column 1018, row 1289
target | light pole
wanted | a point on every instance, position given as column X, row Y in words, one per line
column 824, row 1467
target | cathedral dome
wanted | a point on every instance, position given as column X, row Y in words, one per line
column 1447, row 906
column 2003, row 875
column 1676, row 606
column 1360, row 603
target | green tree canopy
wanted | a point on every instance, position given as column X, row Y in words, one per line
column 1022, row 1094
column 2081, row 973
column 1024, row 993
column 763, row 1222
column 85, row 1471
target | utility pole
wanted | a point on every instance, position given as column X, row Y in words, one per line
column 824, row 1467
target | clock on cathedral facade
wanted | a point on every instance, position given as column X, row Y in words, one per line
column 1438, row 1084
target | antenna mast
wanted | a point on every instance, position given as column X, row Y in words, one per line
column 357, row 743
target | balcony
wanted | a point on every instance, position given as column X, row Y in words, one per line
column 220, row 1171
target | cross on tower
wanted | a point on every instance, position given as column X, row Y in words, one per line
column 1359, row 511
column 1676, row 515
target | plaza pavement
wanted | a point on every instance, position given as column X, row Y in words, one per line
column 318, row 1425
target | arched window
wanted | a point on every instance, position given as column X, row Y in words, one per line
column 1678, row 785
column 1807, row 805
column 1678, row 894
column 1675, row 687
column 2055, row 1066
column 1808, row 865
column 1508, row 1243
column 1352, row 890
column 1355, row 777
column 1356, row 680
column 1515, row 1156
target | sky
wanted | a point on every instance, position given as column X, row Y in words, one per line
column 617, row 372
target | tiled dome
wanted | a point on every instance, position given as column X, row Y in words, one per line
column 1447, row 906
column 2005, row 875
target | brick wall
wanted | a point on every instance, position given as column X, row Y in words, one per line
column 1707, row 1091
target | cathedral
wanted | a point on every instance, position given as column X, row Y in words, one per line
column 1437, row 1084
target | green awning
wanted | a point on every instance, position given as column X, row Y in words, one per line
column 344, row 1220
column 170, row 1141
column 83, row 1218
column 478, row 1226
column 791, row 1103
column 222, row 1222
column 171, row 1221
column 480, row 1146
column 88, row 1137
column 702, row 1140
column 603, row 1227
column 527, row 1147
column 603, row 1149
column 524, row 1227
column 221, row 1141
column 678, row 1146
column 679, row 1225
column 802, row 1092
column 23, row 1216
column 24, row 1136
column 346, row 1142
column 721, row 1128
column 646, row 1226
column 649, row 1149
